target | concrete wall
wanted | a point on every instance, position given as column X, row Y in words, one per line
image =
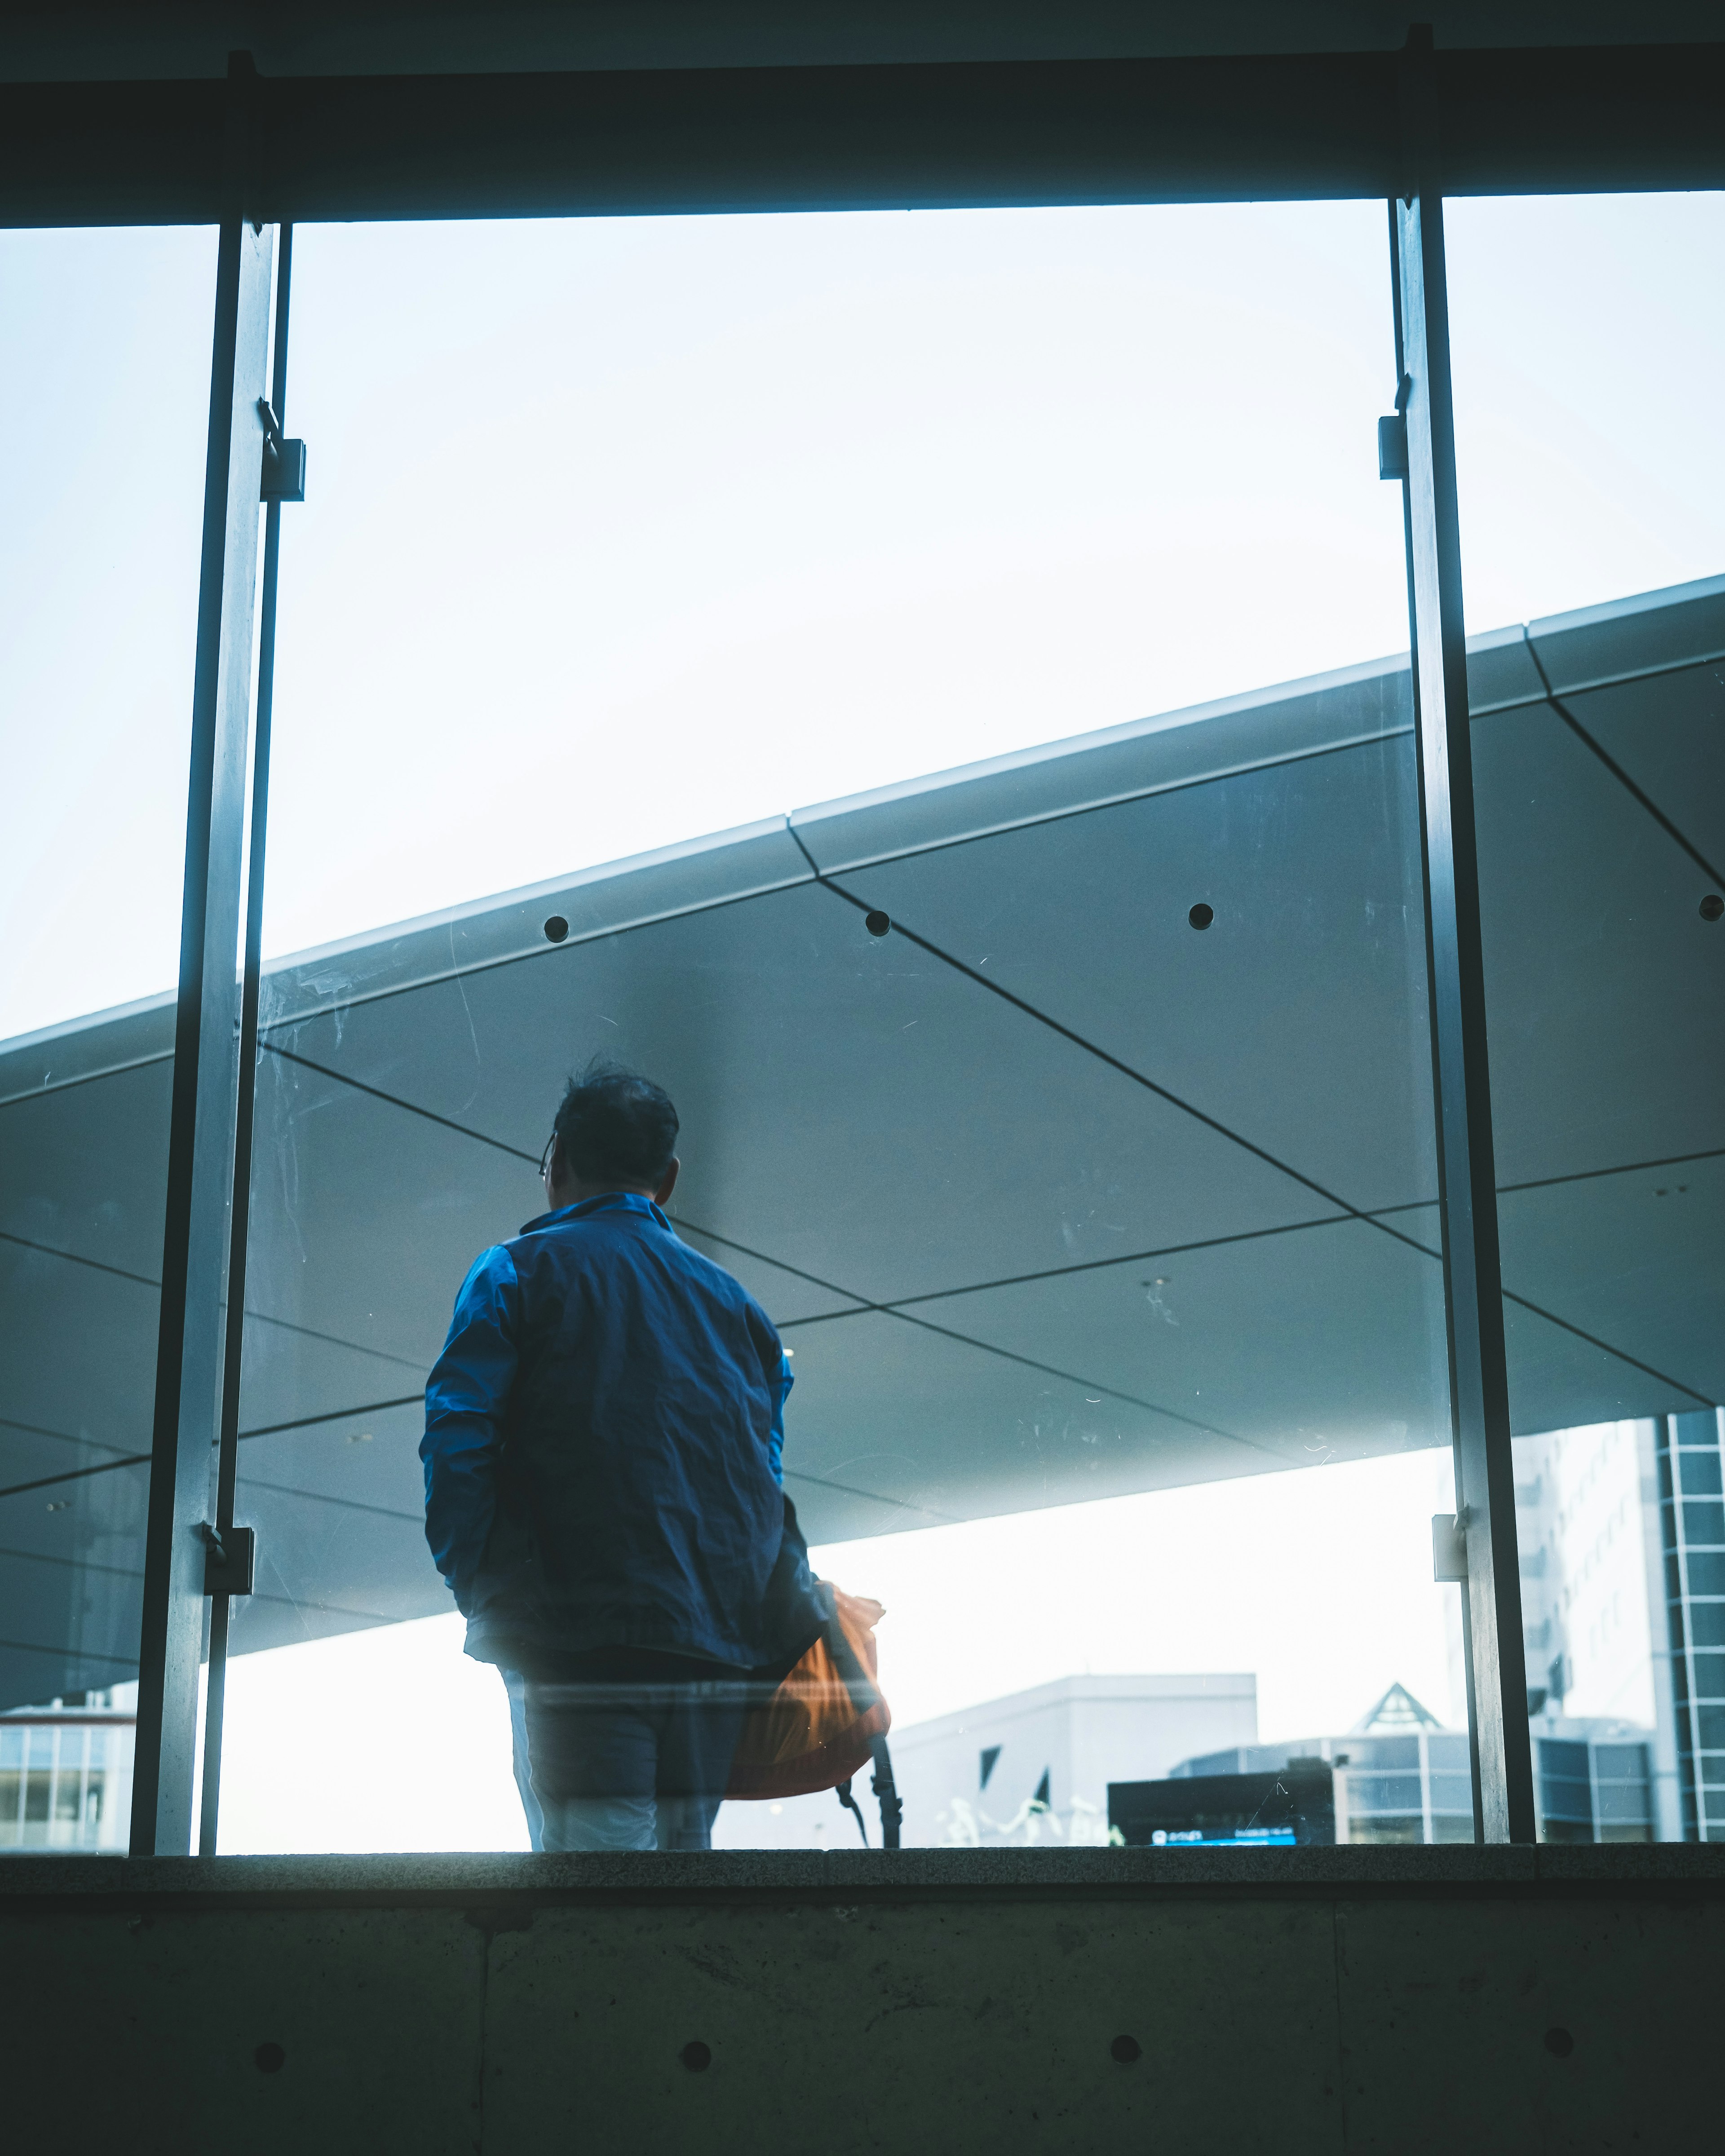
column 1334, row 2000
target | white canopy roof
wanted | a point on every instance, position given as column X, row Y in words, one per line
column 1053, row 1196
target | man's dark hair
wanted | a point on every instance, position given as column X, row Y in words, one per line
column 615, row 1127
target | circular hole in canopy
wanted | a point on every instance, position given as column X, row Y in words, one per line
column 1711, row 906
column 877, row 924
column 556, row 929
column 1201, row 914
column 695, row 2057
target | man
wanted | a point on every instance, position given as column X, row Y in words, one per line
column 603, row 1438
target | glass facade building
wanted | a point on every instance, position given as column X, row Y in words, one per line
column 1691, row 1521
column 1415, row 1786
column 66, row 1774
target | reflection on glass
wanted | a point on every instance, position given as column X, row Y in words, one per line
column 1070, row 1114
column 729, row 513
column 1599, row 787
column 98, row 603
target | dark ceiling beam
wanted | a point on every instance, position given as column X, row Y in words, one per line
column 1268, row 127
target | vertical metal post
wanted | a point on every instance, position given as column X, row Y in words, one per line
column 188, row 1362
column 228, row 1441
column 1479, row 1389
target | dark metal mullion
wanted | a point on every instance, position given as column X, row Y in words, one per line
column 1479, row 1386
column 228, row 1440
column 1401, row 375
column 200, row 1118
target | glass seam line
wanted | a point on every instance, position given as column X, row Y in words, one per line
column 268, row 1429
column 831, row 1287
column 1125, row 1070
column 372, row 1620
column 863, row 1308
column 260, row 1316
column 1115, row 1063
column 1220, row 1242
column 873, row 1497
column 60, row 1437
column 258, row 1595
column 1011, row 1279
column 1616, row 769
column 91, row 1654
column 866, row 1305
column 1005, row 1354
column 1085, row 1265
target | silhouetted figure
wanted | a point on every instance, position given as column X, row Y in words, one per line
column 603, row 1438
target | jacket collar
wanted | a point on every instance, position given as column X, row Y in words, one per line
column 608, row 1201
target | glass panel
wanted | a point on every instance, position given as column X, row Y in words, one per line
column 1069, row 1113
column 1592, row 512
column 104, row 342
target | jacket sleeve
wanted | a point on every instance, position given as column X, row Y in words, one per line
column 775, row 1440
column 465, row 1399
column 775, row 1371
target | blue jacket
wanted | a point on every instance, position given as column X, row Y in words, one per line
column 602, row 1435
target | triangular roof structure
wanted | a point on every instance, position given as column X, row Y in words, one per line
column 1397, row 1711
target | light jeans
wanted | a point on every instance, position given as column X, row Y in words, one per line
column 631, row 1748
column 606, row 1823
column 516, row 1686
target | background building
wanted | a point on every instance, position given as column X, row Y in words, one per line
column 1034, row 1766
column 1401, row 1777
column 65, row 1773
column 1621, row 1528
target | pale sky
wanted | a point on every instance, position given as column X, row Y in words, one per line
column 622, row 531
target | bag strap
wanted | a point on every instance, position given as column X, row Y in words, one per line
column 864, row 1696
column 892, row 1805
column 848, row 1664
column 850, row 1805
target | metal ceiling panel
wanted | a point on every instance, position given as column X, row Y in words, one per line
column 1311, row 868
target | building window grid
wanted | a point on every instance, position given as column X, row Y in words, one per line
column 72, row 1771
column 1359, row 1809
column 1675, row 1582
column 1701, row 1774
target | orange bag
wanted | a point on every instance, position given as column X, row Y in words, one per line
column 821, row 1725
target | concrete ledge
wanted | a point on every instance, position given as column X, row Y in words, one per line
column 1620, row 1870
column 1414, row 2002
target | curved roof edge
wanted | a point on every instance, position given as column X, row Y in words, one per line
column 1651, row 632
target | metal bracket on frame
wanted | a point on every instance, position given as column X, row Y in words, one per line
column 1393, row 434
column 230, row 1561
column 1448, row 1547
column 283, row 475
